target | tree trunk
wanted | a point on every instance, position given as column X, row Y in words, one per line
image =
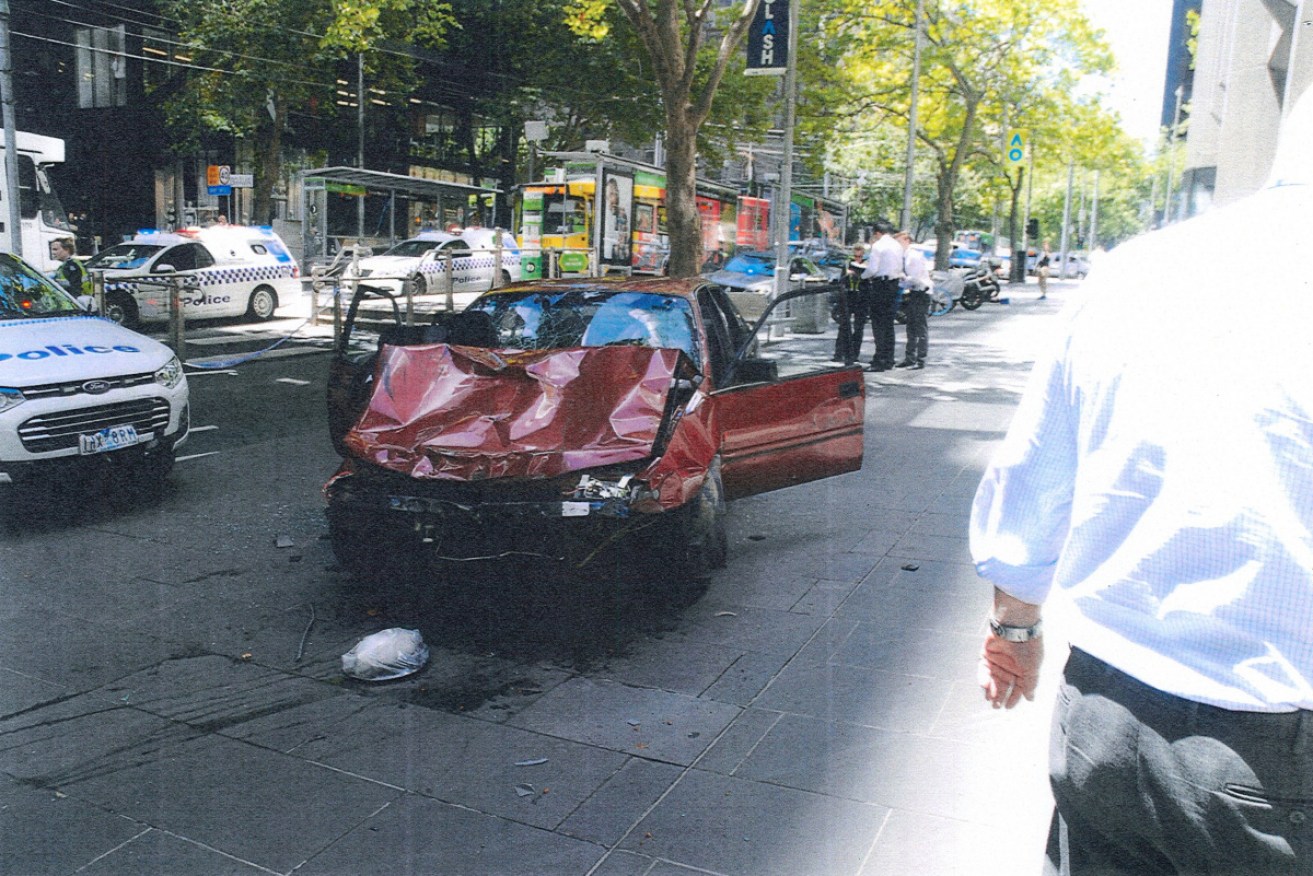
column 269, row 163
column 682, row 222
column 1017, row 270
column 944, row 223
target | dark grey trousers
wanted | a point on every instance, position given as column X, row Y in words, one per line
column 1147, row 783
column 918, row 331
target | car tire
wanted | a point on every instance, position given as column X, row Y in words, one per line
column 368, row 552
column 506, row 279
column 122, row 309
column 700, row 542
column 263, row 304
column 418, row 285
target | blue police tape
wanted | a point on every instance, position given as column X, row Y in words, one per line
column 248, row 357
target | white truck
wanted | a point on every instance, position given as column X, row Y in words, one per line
column 43, row 216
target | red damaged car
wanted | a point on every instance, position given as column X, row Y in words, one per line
column 574, row 420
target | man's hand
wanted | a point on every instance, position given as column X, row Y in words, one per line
column 1009, row 670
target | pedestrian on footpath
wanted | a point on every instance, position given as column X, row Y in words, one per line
column 916, row 286
column 1042, row 270
column 884, row 269
column 852, row 321
column 1169, row 495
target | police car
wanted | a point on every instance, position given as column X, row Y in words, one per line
column 423, row 259
column 76, row 389
column 229, row 270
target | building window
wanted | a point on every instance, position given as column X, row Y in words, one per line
column 101, row 67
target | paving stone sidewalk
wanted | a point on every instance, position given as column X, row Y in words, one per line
column 813, row 712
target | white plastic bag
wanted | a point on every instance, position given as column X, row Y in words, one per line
column 385, row 655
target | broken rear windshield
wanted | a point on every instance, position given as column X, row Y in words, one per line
column 590, row 317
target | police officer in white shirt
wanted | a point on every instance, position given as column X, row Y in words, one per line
column 883, row 271
column 916, row 286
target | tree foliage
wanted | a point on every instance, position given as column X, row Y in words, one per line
column 257, row 60
column 987, row 67
column 674, row 36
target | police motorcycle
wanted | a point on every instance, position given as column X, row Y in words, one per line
column 979, row 284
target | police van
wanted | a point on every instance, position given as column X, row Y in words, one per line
column 228, row 270
column 77, row 390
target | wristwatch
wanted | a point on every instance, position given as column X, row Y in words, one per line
column 1016, row 634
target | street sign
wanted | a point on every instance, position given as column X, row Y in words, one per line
column 218, row 179
column 242, row 180
column 1015, row 149
column 768, row 39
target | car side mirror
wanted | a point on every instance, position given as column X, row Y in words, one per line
column 165, row 269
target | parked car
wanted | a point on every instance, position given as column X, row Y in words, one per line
column 475, row 263
column 230, row 270
column 570, row 420
column 1077, row 265
column 80, row 393
column 832, row 260
column 750, row 278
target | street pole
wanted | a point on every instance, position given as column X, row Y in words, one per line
column 1066, row 218
column 15, row 220
column 360, row 141
column 1094, row 214
column 906, row 219
column 1171, row 156
column 784, row 205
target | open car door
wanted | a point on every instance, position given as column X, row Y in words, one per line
column 786, row 413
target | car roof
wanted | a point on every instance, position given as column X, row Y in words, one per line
column 439, row 236
column 680, row 288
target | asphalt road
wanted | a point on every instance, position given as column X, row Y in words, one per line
column 172, row 700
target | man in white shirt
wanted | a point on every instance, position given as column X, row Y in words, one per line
column 916, row 304
column 883, row 271
column 1169, row 495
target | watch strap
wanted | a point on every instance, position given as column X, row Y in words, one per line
column 1016, row 634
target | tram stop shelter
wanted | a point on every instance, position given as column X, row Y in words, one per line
column 385, row 210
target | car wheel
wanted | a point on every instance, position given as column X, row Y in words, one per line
column 366, row 551
column 120, row 308
column 418, row 285
column 700, row 542
column 263, row 303
column 506, row 278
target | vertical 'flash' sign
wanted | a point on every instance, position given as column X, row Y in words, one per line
column 768, row 39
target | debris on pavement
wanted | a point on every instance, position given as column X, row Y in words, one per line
column 284, row 541
column 911, row 567
column 385, row 655
column 534, row 762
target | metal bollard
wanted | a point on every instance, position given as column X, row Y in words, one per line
column 496, row 259
column 337, row 309
column 98, row 290
column 177, row 319
column 553, row 264
column 449, row 280
column 408, row 289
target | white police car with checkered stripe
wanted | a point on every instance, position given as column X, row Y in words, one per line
column 79, row 393
column 228, row 270
column 473, row 255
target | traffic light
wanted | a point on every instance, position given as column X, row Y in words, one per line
column 1032, row 229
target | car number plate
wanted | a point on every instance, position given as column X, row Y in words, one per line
column 109, row 438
